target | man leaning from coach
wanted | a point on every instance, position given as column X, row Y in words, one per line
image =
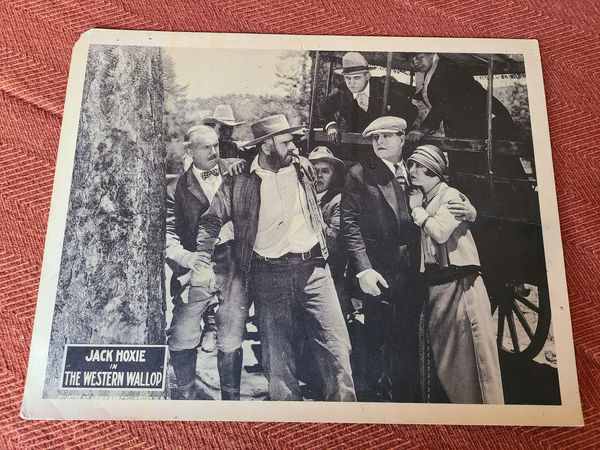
column 356, row 103
column 279, row 260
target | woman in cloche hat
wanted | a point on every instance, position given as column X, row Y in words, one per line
column 457, row 319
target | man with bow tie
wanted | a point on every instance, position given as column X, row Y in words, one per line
column 195, row 190
column 383, row 246
column 356, row 103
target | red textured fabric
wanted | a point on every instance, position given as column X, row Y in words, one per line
column 35, row 48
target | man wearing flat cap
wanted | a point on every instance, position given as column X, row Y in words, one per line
column 279, row 260
column 223, row 123
column 383, row 246
column 356, row 103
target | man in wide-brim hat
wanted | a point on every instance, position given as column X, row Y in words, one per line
column 330, row 172
column 356, row 103
column 279, row 260
column 223, row 122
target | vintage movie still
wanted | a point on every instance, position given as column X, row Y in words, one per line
column 303, row 228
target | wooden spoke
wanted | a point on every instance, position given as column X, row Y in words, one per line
column 527, row 303
column 513, row 331
column 523, row 321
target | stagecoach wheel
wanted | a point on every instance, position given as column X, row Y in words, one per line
column 522, row 312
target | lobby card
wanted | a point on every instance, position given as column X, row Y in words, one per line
column 165, row 135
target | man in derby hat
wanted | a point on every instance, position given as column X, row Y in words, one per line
column 193, row 193
column 223, row 122
column 383, row 246
column 279, row 260
column 356, row 103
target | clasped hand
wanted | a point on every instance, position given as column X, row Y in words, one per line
column 415, row 197
column 201, row 266
column 333, row 134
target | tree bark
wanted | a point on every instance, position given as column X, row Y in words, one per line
column 111, row 287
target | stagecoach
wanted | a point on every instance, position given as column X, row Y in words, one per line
column 508, row 230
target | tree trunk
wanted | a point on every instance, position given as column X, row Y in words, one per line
column 111, row 286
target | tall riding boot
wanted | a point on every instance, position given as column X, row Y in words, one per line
column 230, row 373
column 184, row 366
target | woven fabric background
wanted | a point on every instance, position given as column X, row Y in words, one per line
column 36, row 39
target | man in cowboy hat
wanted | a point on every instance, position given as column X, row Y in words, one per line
column 193, row 192
column 279, row 260
column 383, row 246
column 223, row 122
column 356, row 103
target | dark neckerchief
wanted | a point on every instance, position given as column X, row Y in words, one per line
column 329, row 195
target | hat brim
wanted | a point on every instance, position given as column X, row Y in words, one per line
column 341, row 71
column 382, row 130
column 270, row 135
column 331, row 160
column 221, row 122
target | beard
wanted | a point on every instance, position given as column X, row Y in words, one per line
column 274, row 159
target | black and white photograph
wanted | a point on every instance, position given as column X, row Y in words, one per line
column 249, row 227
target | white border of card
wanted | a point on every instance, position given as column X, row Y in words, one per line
column 568, row 413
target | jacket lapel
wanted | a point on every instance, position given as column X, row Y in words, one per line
column 383, row 178
column 375, row 99
column 194, row 187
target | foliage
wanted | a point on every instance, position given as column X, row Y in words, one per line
column 516, row 100
column 182, row 112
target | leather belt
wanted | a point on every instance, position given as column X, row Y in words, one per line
column 314, row 252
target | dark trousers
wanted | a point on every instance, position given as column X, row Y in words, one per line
column 392, row 340
column 296, row 304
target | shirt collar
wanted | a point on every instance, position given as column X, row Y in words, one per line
column 366, row 90
column 422, row 79
column 198, row 172
column 390, row 165
column 255, row 167
column 254, row 164
column 321, row 195
column 434, row 64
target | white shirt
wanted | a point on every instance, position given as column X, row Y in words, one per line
column 401, row 168
column 283, row 218
column 422, row 79
column 210, row 186
column 366, row 91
